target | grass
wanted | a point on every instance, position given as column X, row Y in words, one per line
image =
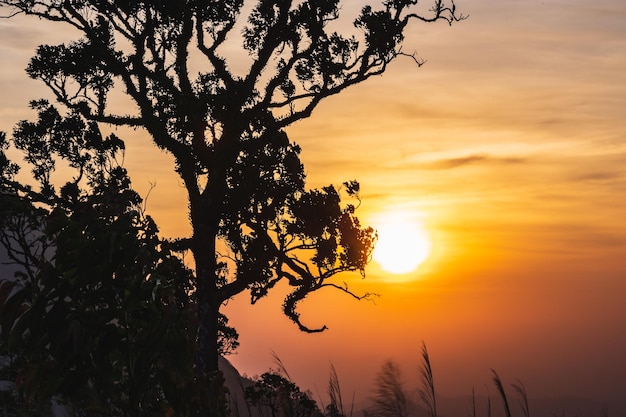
column 427, row 390
column 520, row 390
column 500, row 387
column 391, row 399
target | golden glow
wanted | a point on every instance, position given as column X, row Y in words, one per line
column 516, row 154
column 403, row 243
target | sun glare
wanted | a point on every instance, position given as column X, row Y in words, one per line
column 403, row 243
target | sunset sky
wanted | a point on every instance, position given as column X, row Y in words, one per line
column 509, row 146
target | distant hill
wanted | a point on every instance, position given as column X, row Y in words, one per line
column 236, row 385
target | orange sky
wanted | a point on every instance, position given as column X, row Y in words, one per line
column 511, row 144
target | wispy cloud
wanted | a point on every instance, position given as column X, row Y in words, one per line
column 451, row 163
column 600, row 176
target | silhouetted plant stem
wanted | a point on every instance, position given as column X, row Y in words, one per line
column 498, row 383
column 335, row 408
column 522, row 397
column 473, row 403
column 282, row 369
column 427, row 392
column 605, row 411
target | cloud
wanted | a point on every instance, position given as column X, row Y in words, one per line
column 451, row 163
column 600, row 176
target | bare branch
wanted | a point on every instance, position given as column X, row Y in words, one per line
column 419, row 61
column 344, row 288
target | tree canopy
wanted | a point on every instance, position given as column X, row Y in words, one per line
column 101, row 314
column 243, row 176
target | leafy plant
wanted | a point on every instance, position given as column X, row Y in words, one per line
column 100, row 315
column 281, row 397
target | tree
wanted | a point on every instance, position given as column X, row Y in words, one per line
column 243, row 177
column 101, row 313
column 281, row 397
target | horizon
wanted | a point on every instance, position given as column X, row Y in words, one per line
column 509, row 144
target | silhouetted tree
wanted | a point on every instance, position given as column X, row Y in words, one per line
column 280, row 397
column 244, row 180
column 101, row 314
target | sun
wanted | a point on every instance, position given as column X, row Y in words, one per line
column 403, row 243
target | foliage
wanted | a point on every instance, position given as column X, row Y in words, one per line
column 273, row 224
column 101, row 315
column 243, row 178
column 281, row 397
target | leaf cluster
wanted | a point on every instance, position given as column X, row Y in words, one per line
column 276, row 229
column 296, row 60
column 279, row 395
column 243, row 177
column 81, row 147
column 101, row 314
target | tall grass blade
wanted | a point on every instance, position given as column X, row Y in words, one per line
column 282, row 369
column 473, row 403
column 389, row 399
column 522, row 397
column 427, row 391
column 498, row 383
column 335, row 407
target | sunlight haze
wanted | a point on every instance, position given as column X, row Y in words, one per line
column 402, row 245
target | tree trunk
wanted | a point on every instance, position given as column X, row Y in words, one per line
column 207, row 371
column 206, row 212
column 208, row 308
